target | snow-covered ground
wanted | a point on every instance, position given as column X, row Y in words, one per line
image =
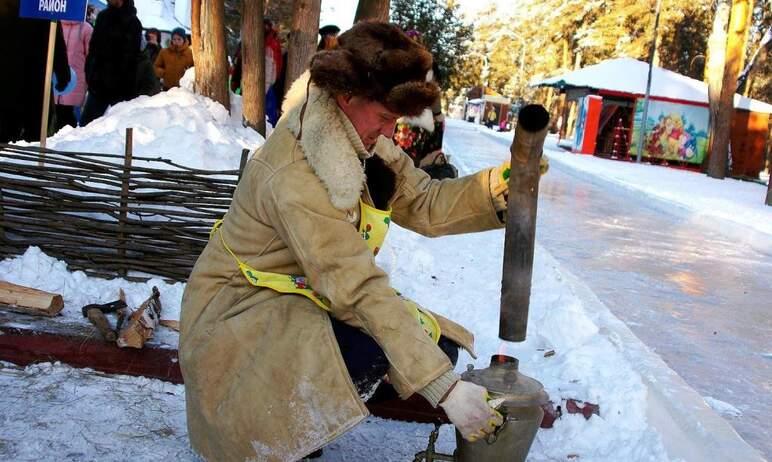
column 646, row 413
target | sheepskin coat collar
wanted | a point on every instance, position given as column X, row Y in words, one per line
column 330, row 142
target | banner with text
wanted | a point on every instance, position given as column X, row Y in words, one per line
column 54, row 10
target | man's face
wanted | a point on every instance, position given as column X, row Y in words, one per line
column 369, row 118
column 115, row 3
column 177, row 40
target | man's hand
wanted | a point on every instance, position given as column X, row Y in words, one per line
column 467, row 408
column 499, row 182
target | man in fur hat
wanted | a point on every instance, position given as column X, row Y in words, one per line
column 287, row 322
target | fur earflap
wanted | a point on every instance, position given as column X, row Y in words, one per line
column 378, row 61
column 425, row 120
column 412, row 97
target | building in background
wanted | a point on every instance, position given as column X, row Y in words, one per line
column 608, row 108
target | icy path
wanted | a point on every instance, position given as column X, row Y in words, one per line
column 700, row 298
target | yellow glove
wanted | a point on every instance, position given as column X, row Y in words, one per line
column 499, row 182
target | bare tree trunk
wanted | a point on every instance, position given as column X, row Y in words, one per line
column 735, row 55
column 208, row 37
column 253, row 65
column 372, row 9
column 195, row 28
column 302, row 38
column 714, row 73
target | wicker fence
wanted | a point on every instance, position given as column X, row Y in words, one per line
column 110, row 215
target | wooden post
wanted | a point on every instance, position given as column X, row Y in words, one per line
column 47, row 89
column 520, row 235
column 125, row 198
column 302, row 38
column 243, row 163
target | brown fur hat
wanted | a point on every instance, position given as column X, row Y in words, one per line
column 378, row 61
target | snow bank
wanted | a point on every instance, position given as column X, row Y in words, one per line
column 178, row 124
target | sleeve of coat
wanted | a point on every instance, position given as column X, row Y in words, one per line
column 433, row 207
column 61, row 63
column 340, row 266
column 159, row 66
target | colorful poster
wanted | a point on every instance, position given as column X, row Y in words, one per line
column 581, row 118
column 674, row 131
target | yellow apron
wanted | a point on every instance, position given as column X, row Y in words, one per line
column 373, row 226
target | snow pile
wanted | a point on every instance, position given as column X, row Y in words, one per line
column 178, row 124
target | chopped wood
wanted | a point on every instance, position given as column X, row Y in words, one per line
column 99, row 320
column 29, row 301
column 142, row 323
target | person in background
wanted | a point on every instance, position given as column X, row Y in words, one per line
column 421, row 136
column 91, row 14
column 147, row 82
column 273, row 68
column 24, row 49
column 329, row 38
column 77, row 36
column 153, row 44
column 490, row 118
column 174, row 60
column 111, row 65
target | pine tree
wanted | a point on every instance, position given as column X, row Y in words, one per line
column 555, row 32
column 443, row 33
